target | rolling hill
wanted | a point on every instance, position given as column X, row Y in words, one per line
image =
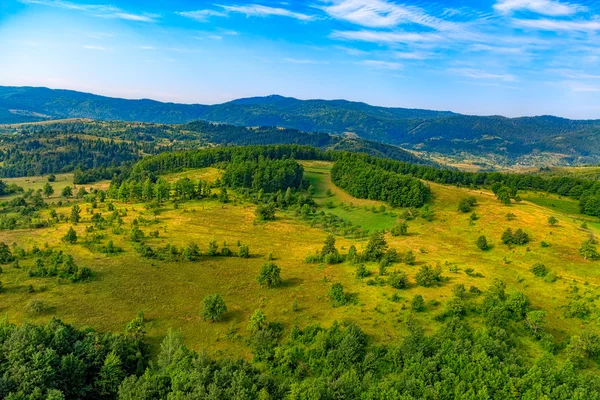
column 446, row 133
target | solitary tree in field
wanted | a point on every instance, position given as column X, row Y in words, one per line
column 588, row 250
column 482, row 243
column 48, row 190
column 75, row 211
column 269, row 275
column 71, row 236
column 213, row 307
column 552, row 220
column 417, row 303
column 67, row 192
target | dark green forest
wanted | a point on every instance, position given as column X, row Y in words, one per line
column 437, row 131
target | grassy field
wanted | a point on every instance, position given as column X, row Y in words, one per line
column 170, row 293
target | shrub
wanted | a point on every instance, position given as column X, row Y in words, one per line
column 244, row 251
column 482, row 243
column 362, row 272
column 409, row 258
column 417, row 303
column 337, row 295
column 400, row 229
column 398, row 280
column 428, row 276
column 539, row 270
column 213, row 307
column 269, row 275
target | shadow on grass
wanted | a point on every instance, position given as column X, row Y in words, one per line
column 291, row 282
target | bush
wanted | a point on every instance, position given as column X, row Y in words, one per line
column 213, row 307
column 362, row 272
column 337, row 295
column 482, row 243
column 265, row 212
column 428, row 276
column 398, row 280
column 409, row 258
column 244, row 251
column 417, row 303
column 269, row 276
column 71, row 236
column 539, row 270
column 400, row 229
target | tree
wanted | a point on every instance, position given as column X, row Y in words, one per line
column 417, row 304
column 552, row 220
column 110, row 376
column 428, row 276
column 51, row 178
column 398, row 280
column 588, row 250
column 265, row 212
column 427, row 213
column 376, row 247
column 6, row 255
column 223, row 195
column 337, row 295
column 269, row 275
column 169, row 347
column 329, row 246
column 400, row 229
column 75, row 211
column 258, row 321
column 466, row 204
column 409, row 258
column 67, row 192
column 507, row 236
column 482, row 243
column 71, row 236
column 48, row 190
column 213, row 307
column 535, row 320
column 244, row 251
column 136, row 327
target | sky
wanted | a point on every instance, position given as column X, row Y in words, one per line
column 485, row 57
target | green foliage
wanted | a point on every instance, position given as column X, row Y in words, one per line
column 376, row 247
column 400, row 229
column 535, row 321
column 539, row 270
column 213, row 307
column 6, row 255
column 519, row 237
column 466, row 204
column 398, row 280
column 552, row 220
column 265, row 212
column 588, row 250
column 482, row 243
column 70, row 236
column 75, row 214
column 409, row 258
column 417, row 304
column 269, row 275
column 244, row 251
column 337, row 295
column 428, row 276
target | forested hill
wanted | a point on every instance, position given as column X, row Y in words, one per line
column 435, row 131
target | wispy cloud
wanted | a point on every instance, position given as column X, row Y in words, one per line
column 92, row 47
column 544, row 7
column 257, row 10
column 573, row 74
column 560, row 24
column 304, row 61
column 202, row 15
column 381, row 64
column 386, row 36
column 479, row 47
column 98, row 10
column 479, row 74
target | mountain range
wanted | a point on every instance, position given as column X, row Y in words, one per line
column 441, row 132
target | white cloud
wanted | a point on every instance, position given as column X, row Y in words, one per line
column 381, row 64
column 479, row 74
column 147, row 48
column 92, row 47
column 98, row 10
column 386, row 37
column 257, row 10
column 544, row 7
column 351, row 51
column 545, row 24
column 572, row 74
column 304, row 61
column 202, row 15
column 496, row 49
column 411, row 55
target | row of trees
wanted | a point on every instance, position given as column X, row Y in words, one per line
column 367, row 181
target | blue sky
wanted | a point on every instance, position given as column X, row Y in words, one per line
column 508, row 57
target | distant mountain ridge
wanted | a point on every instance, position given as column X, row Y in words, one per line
column 434, row 131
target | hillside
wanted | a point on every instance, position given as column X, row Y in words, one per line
column 530, row 140
column 354, row 295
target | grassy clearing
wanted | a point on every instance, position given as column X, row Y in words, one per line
column 170, row 293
